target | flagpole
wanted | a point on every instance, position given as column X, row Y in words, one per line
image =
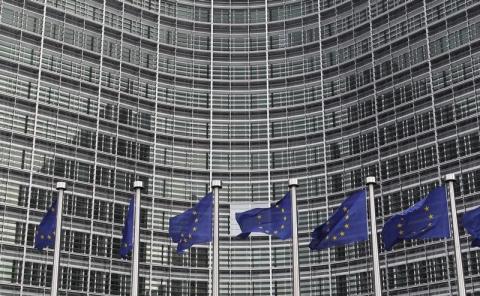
column 373, row 227
column 293, row 184
column 137, row 185
column 61, row 186
column 450, row 178
column 216, row 185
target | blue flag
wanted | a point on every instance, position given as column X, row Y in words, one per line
column 347, row 225
column 426, row 219
column 126, row 244
column 45, row 235
column 471, row 222
column 276, row 220
column 194, row 226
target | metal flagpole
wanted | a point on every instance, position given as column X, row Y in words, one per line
column 293, row 184
column 450, row 178
column 61, row 186
column 137, row 185
column 373, row 227
column 216, row 185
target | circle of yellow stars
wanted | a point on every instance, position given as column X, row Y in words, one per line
column 51, row 235
column 186, row 236
column 342, row 232
column 282, row 226
column 430, row 216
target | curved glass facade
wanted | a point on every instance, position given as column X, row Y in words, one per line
column 100, row 93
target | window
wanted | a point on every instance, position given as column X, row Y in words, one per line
column 89, row 42
column 336, row 183
column 69, row 36
column 334, row 150
column 33, row 24
column 126, row 54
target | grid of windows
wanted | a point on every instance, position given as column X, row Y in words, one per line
column 176, row 93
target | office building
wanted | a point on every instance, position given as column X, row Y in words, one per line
column 99, row 93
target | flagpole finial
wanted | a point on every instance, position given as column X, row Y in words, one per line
column 370, row 180
column 450, row 177
column 61, row 185
column 217, row 183
column 138, row 184
column 292, row 182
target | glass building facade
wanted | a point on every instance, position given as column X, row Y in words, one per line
column 99, row 93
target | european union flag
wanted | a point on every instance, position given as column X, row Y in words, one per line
column 471, row 222
column 45, row 236
column 347, row 225
column 426, row 219
column 276, row 220
column 194, row 226
column 126, row 244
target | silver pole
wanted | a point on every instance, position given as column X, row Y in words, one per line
column 293, row 184
column 373, row 227
column 61, row 186
column 450, row 178
column 216, row 185
column 137, row 185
